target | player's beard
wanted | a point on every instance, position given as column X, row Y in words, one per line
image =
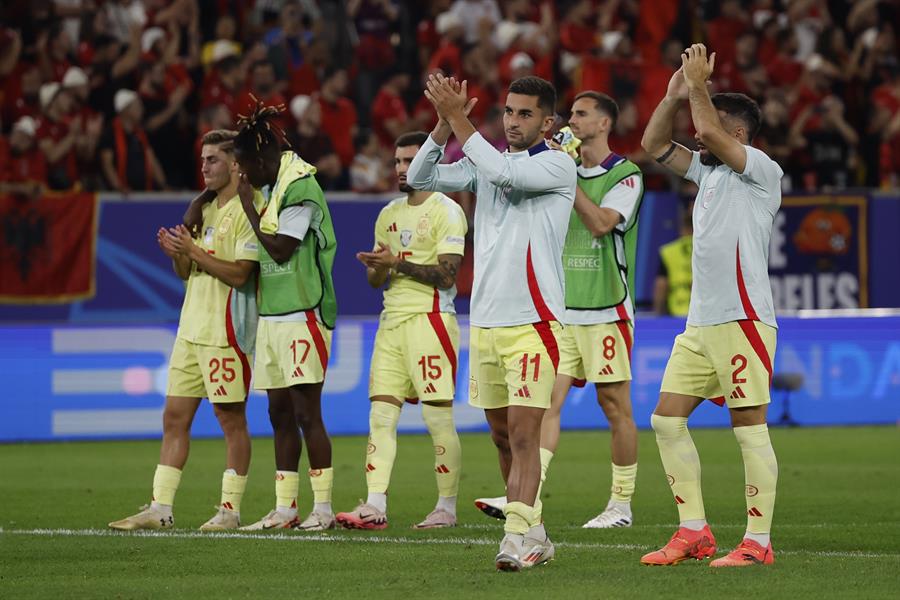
column 406, row 188
column 709, row 159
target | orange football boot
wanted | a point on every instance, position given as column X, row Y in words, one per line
column 747, row 553
column 685, row 543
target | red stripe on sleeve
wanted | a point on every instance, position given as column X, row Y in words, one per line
column 546, row 334
column 742, row 289
column 756, row 341
column 437, row 323
column 543, row 312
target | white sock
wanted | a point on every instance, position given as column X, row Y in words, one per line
column 694, row 524
column 165, row 509
column 448, row 503
column 625, row 507
column 323, row 507
column 379, row 501
column 760, row 538
column 287, row 512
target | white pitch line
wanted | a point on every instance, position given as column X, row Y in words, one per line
column 715, row 526
column 324, row 537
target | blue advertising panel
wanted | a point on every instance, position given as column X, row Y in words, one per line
column 100, row 381
column 135, row 282
column 818, row 256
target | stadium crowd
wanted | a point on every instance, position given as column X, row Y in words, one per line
column 116, row 94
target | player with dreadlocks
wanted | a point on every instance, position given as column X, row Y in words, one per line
column 297, row 310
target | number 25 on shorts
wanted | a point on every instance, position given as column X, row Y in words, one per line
column 228, row 372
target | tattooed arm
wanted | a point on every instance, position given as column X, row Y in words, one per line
column 442, row 275
column 657, row 140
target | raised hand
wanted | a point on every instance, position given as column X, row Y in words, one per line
column 695, row 65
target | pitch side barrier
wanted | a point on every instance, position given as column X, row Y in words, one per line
column 102, row 381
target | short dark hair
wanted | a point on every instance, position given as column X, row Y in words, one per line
column 220, row 137
column 228, row 64
column 604, row 104
column 535, row 86
column 413, row 138
column 740, row 106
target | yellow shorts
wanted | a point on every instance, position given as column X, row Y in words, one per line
column 513, row 366
column 417, row 359
column 290, row 353
column 221, row 374
column 597, row 353
column 728, row 363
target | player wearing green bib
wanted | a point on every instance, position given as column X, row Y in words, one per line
column 297, row 312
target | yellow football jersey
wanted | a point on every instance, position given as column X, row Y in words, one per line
column 227, row 235
column 419, row 234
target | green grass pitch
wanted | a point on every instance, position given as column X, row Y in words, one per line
column 836, row 531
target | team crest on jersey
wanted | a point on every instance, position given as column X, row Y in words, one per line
column 405, row 237
column 423, row 226
column 224, row 226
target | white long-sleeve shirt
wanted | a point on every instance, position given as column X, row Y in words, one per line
column 521, row 218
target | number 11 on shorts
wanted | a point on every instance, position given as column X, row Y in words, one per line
column 534, row 361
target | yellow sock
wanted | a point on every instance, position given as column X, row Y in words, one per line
column 233, row 486
column 321, row 481
column 382, row 450
column 623, row 482
column 287, row 486
column 165, row 484
column 546, row 457
column 682, row 465
column 537, row 515
column 760, row 475
column 447, row 451
column 518, row 517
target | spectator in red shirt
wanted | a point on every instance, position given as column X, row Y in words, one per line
column 448, row 56
column 22, row 167
column 57, row 137
column 90, row 123
column 745, row 75
column 885, row 125
column 784, row 69
column 338, row 114
column 223, row 84
column 126, row 157
column 390, row 118
column 723, row 30
column 264, row 86
column 309, row 141
column 53, row 46
column 578, row 31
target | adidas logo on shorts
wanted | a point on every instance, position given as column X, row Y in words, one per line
column 607, row 370
column 220, row 391
column 522, row 392
column 298, row 372
column 430, row 389
column 737, row 393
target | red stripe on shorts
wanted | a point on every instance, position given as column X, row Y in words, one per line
column 437, row 323
column 749, row 329
column 626, row 335
column 318, row 340
column 546, row 334
column 621, row 312
column 232, row 341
